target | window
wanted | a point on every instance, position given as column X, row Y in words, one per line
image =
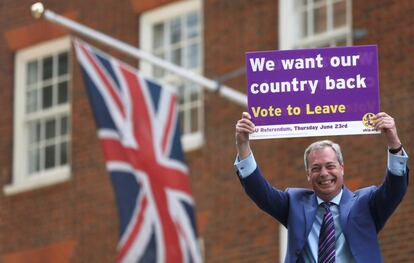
column 41, row 116
column 314, row 23
column 174, row 33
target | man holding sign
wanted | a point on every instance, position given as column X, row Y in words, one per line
column 328, row 223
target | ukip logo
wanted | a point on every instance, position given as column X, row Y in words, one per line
column 368, row 120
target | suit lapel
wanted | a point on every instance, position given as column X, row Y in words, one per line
column 309, row 209
column 345, row 205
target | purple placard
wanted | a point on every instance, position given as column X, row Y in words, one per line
column 313, row 92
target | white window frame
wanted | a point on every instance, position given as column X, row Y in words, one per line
column 289, row 31
column 21, row 180
column 194, row 140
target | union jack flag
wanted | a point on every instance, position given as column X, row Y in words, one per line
column 137, row 124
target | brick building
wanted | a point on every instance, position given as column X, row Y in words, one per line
column 57, row 204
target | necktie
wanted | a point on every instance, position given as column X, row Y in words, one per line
column 326, row 249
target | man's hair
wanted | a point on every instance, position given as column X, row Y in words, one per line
column 319, row 145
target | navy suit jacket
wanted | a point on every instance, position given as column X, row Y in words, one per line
column 363, row 213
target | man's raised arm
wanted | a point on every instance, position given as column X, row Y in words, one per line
column 244, row 127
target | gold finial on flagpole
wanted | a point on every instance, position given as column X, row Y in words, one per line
column 37, row 10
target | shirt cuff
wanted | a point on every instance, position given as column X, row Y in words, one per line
column 397, row 163
column 246, row 166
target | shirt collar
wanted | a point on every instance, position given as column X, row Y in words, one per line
column 334, row 200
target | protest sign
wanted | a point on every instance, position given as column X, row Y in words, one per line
column 313, row 92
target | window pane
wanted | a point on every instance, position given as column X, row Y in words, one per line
column 64, row 125
column 180, row 94
column 34, row 160
column 175, row 30
column 157, row 71
column 47, row 68
column 50, row 129
column 47, row 97
column 304, row 23
column 176, row 56
column 182, row 128
column 32, row 71
column 49, row 156
column 63, row 63
column 303, row 3
column 63, row 156
column 339, row 15
column 194, row 119
column 193, row 56
column 194, row 93
column 63, row 92
column 320, row 20
column 158, row 40
column 159, row 54
column 33, row 132
column 31, row 103
column 192, row 25
column 38, row 131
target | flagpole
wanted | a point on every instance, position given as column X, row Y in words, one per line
column 38, row 11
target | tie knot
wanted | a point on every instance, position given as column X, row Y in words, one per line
column 326, row 205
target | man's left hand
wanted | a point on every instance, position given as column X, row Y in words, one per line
column 386, row 124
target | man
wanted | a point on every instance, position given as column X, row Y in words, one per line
column 328, row 223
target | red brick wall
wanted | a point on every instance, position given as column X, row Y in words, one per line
column 82, row 213
column 142, row 6
column 235, row 231
column 389, row 24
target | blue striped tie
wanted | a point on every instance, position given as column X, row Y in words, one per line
column 326, row 250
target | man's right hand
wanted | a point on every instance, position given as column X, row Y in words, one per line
column 244, row 127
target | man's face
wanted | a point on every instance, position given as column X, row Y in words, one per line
column 325, row 173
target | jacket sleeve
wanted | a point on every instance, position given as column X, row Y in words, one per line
column 271, row 200
column 385, row 199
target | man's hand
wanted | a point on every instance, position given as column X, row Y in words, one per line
column 386, row 124
column 244, row 127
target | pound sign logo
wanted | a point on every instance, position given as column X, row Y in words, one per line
column 368, row 120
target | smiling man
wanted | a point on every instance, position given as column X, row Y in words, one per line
column 328, row 223
column 325, row 167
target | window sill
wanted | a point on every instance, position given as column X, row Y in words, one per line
column 38, row 181
column 192, row 141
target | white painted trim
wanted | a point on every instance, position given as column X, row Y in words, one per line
column 349, row 38
column 161, row 14
column 21, row 181
column 324, row 37
column 287, row 32
column 289, row 28
column 190, row 141
column 37, row 181
column 283, row 237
